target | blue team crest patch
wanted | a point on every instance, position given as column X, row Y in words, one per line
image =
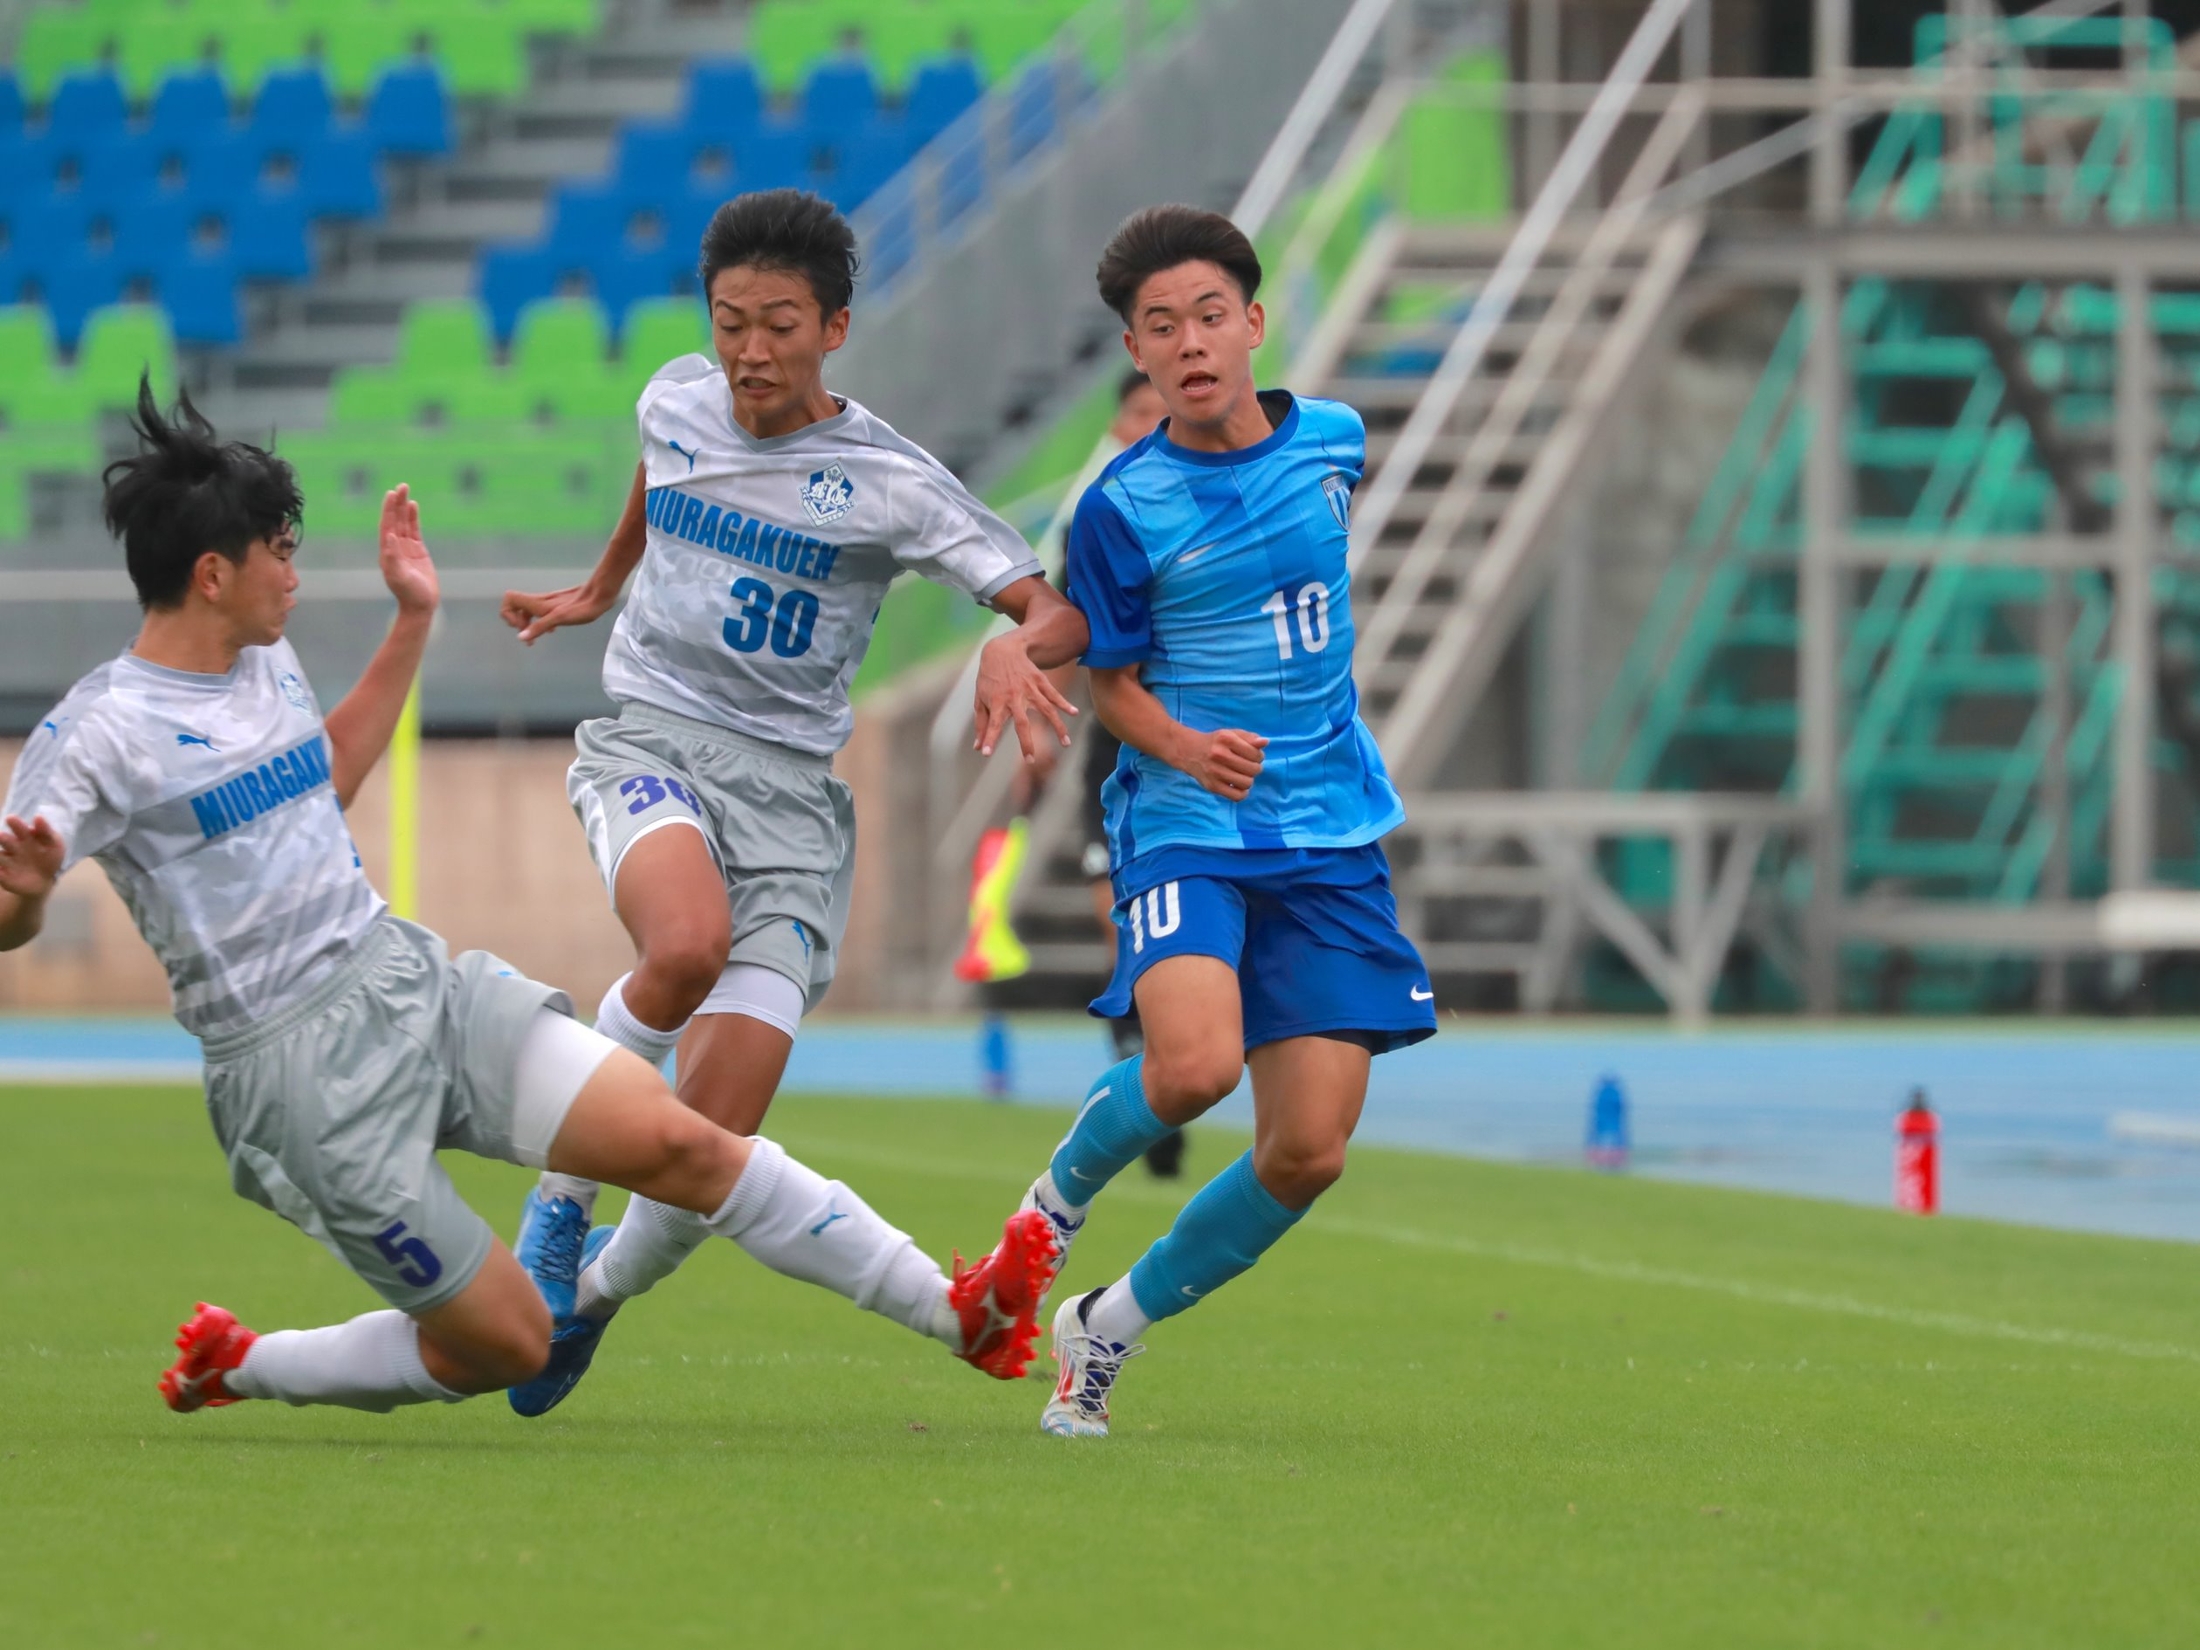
column 1337, row 489
column 828, row 494
column 295, row 691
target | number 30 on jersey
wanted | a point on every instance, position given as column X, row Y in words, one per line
column 786, row 621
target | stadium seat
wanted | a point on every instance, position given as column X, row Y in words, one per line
column 724, row 101
column 560, row 361
column 939, row 95
column 119, row 344
column 786, row 36
column 150, row 232
column 773, row 157
column 11, row 104
column 862, row 160
column 336, row 176
column 356, row 45
column 1032, row 109
column 899, row 40
column 88, row 103
column 514, row 276
column 658, row 330
column 72, row 287
column 292, row 110
column 117, row 170
column 407, row 113
column 200, row 295
column 221, row 167
column 838, row 96
column 188, row 105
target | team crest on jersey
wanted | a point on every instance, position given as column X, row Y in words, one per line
column 1337, row 489
column 295, row 691
column 828, row 494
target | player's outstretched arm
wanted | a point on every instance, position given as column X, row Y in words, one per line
column 30, row 863
column 584, row 603
column 359, row 729
column 1226, row 761
column 1013, row 685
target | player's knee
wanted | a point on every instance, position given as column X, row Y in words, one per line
column 686, row 963
column 513, row 1349
column 1298, row 1172
column 692, row 1153
column 1188, row 1081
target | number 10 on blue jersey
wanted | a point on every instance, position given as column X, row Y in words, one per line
column 785, row 621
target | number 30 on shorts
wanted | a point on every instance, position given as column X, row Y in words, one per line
column 785, row 621
column 645, row 790
column 1154, row 914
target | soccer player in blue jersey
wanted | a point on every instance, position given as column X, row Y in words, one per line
column 1255, row 922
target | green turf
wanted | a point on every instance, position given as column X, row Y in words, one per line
column 1464, row 1404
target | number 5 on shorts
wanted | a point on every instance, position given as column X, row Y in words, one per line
column 415, row 1261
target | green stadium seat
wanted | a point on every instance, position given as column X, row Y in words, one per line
column 259, row 41
column 121, row 343
column 370, row 395
column 1452, row 154
column 660, row 330
column 53, row 42
column 156, row 44
column 481, row 55
column 560, row 362
column 358, row 45
column 898, row 38
column 442, row 337
column 1004, row 33
column 786, row 37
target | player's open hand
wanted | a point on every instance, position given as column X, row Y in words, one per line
column 1226, row 761
column 30, row 857
column 538, row 615
column 1013, row 689
column 406, row 566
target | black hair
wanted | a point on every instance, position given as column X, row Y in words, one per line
column 784, row 229
column 1162, row 237
column 186, row 492
column 1130, row 384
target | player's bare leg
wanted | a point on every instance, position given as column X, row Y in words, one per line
column 671, row 898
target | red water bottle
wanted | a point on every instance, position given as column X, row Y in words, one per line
column 1917, row 1158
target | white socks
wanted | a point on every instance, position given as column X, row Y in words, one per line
column 372, row 1362
column 795, row 1221
column 652, row 1241
column 616, row 1021
column 1115, row 1315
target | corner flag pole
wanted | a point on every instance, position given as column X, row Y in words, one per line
column 405, row 808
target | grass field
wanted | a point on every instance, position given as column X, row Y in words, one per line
column 1464, row 1404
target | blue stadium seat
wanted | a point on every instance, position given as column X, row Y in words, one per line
column 938, row 97
column 862, row 161
column 117, row 171
column 839, row 95
column 150, row 233
column 772, row 157
column 267, row 237
column 336, row 176
column 627, row 278
column 188, row 105
column 654, row 163
column 222, row 167
column 1031, row 109
column 512, row 277
column 87, row 104
column 11, row 104
column 71, row 288
column 200, row 295
column 292, row 110
column 408, row 112
column 724, row 100
column 43, row 231
column 584, row 219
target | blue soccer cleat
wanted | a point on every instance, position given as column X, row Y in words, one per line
column 549, row 1247
column 572, row 1347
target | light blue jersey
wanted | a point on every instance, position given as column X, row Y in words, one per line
column 1222, row 575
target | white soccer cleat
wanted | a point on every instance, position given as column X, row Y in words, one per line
column 1066, row 1227
column 1089, row 1365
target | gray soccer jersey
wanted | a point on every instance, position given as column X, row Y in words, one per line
column 767, row 559
column 208, row 802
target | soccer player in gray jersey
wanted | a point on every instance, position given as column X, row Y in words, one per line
column 342, row 1046
column 766, row 520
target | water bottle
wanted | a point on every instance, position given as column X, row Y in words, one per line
column 1606, row 1146
column 995, row 1077
column 1917, row 1157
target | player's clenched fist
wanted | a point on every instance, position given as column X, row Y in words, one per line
column 1225, row 762
column 534, row 616
column 30, row 857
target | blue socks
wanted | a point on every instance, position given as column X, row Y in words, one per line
column 1227, row 1226
column 1110, row 1134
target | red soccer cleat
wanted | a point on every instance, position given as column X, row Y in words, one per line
column 212, row 1343
column 998, row 1299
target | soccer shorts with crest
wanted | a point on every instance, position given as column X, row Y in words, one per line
column 1312, row 932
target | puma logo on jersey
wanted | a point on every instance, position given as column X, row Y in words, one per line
column 195, row 739
column 684, row 453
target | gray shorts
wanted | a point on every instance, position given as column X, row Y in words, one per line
column 331, row 1112
column 781, row 827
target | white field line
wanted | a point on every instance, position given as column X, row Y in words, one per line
column 1614, row 1271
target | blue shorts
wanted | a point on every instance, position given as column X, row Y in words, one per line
column 1312, row 932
